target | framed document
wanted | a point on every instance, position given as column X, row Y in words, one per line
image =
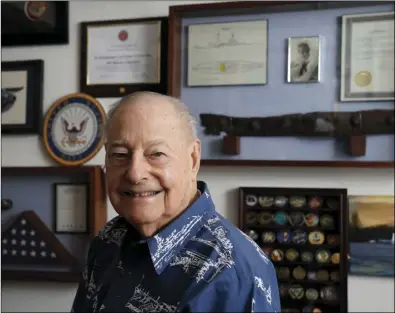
column 71, row 208
column 222, row 54
column 367, row 57
column 122, row 56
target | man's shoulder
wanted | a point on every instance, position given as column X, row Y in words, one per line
column 113, row 231
column 229, row 243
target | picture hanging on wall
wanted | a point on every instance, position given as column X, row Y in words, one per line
column 21, row 96
column 222, row 54
column 367, row 57
column 304, row 58
column 371, row 235
column 31, row 23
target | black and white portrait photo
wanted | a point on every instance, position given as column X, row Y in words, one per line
column 304, row 59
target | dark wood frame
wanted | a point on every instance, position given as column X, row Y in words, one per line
column 322, row 192
column 178, row 13
column 60, row 35
column 97, row 212
column 115, row 90
column 34, row 96
column 55, row 193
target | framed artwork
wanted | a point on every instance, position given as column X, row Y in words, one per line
column 367, row 57
column 30, row 23
column 21, row 96
column 71, row 208
column 304, row 59
column 223, row 54
column 134, row 56
column 371, row 235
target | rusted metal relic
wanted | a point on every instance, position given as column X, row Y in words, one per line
column 352, row 125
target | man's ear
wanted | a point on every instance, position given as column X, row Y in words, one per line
column 195, row 157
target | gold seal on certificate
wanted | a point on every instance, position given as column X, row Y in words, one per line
column 363, row 78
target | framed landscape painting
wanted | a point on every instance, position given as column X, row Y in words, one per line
column 371, row 235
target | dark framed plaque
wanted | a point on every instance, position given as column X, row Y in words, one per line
column 21, row 96
column 123, row 56
column 29, row 23
column 71, row 208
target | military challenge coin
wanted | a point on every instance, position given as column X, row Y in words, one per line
column 316, row 238
column 291, row 255
column 251, row 200
column 268, row 237
column 252, row 234
column 281, row 218
column 266, row 202
column 299, row 273
column 297, row 202
column 72, row 131
column 280, row 201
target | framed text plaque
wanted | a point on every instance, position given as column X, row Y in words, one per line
column 122, row 56
column 367, row 57
column 34, row 23
column 71, row 208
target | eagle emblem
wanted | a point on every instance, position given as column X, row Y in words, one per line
column 74, row 130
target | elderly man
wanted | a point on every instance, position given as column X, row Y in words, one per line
column 168, row 250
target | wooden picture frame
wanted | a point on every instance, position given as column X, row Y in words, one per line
column 316, row 225
column 74, row 247
column 33, row 29
column 176, row 55
column 71, row 208
column 360, row 80
column 150, row 76
column 22, row 96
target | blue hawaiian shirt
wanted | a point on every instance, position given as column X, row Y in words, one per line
column 199, row 263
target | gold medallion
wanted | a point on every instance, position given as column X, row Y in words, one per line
column 363, row 78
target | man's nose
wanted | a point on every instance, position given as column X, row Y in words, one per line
column 137, row 169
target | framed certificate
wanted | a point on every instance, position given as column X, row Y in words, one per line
column 71, row 208
column 122, row 56
column 367, row 57
column 225, row 54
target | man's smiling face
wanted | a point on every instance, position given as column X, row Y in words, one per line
column 151, row 163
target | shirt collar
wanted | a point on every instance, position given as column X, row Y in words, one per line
column 170, row 240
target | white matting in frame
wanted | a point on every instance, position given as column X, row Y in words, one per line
column 71, row 205
column 222, row 54
column 304, row 59
column 367, row 57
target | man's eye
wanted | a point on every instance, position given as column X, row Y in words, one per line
column 119, row 155
column 157, row 154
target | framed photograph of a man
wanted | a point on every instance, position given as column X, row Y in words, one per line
column 304, row 58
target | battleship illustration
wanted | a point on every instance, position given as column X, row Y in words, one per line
column 219, row 43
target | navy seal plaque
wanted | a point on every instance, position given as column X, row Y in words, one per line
column 72, row 131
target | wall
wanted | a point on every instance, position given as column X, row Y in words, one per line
column 61, row 78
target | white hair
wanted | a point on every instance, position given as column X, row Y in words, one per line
column 180, row 107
